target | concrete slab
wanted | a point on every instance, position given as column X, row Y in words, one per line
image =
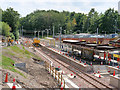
column 11, row 84
column 73, row 84
column 115, row 81
column 70, row 76
column 97, row 75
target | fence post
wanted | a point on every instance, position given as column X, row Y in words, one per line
column 55, row 74
column 61, row 78
column 64, row 84
column 58, row 77
column 50, row 69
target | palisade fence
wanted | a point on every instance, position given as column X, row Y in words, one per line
column 57, row 75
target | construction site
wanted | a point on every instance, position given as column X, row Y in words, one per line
column 65, row 63
column 48, row 44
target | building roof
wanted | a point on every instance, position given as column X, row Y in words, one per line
column 71, row 41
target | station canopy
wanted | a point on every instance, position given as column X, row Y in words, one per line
column 71, row 41
column 105, row 47
column 92, row 45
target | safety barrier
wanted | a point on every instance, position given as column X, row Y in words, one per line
column 57, row 75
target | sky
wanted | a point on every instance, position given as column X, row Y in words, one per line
column 25, row 7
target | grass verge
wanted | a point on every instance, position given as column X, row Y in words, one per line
column 7, row 64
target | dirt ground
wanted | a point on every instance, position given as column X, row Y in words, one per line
column 35, row 77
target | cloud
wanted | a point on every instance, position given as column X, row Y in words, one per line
column 25, row 7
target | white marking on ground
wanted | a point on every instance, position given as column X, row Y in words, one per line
column 11, row 84
column 69, row 81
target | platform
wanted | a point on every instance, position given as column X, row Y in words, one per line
column 115, row 81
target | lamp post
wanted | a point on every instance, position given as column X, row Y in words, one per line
column 115, row 26
column 53, row 31
column 42, row 33
column 47, row 31
column 65, row 32
column 38, row 34
column 35, row 33
column 97, row 37
column 22, row 30
column 70, row 31
column 60, row 36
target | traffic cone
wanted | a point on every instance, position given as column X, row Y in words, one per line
column 114, row 73
column 61, row 86
column 74, row 58
column 91, row 64
column 99, row 76
column 101, row 63
column 99, row 57
column 6, row 78
column 80, row 60
column 98, row 71
column 109, row 69
column 66, row 54
column 13, row 87
column 62, row 72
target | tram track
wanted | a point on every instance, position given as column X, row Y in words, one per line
column 94, row 82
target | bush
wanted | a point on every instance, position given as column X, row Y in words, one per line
column 5, row 29
column 16, row 35
column 12, row 36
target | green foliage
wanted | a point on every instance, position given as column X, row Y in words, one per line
column 7, row 64
column 12, row 36
column 77, row 22
column 16, row 34
column 11, row 17
column 5, row 29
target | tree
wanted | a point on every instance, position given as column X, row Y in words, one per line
column 108, row 21
column 5, row 29
column 11, row 17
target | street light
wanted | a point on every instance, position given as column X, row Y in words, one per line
column 97, row 37
column 115, row 26
column 38, row 34
column 35, row 33
column 70, row 31
column 53, row 31
column 65, row 32
column 47, row 31
column 22, row 30
column 42, row 33
column 60, row 36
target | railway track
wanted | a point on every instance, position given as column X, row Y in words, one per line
column 97, row 84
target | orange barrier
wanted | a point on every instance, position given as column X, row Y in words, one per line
column 114, row 73
column 13, row 87
column 6, row 78
column 99, row 76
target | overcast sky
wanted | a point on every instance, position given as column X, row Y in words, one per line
column 25, row 7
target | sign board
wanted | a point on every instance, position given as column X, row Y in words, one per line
column 116, row 55
column 20, row 65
